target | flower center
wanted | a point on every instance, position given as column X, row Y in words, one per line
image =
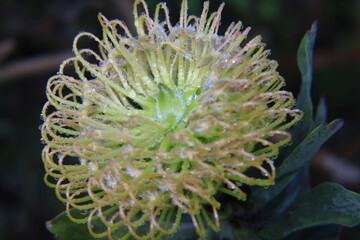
column 171, row 107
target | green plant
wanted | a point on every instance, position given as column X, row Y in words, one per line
column 179, row 130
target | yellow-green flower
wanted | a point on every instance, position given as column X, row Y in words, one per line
column 154, row 126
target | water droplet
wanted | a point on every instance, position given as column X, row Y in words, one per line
column 82, row 161
column 128, row 148
column 83, row 212
column 238, row 183
column 230, row 186
column 209, row 83
column 131, row 172
column 199, row 129
column 163, row 188
column 110, row 182
column 93, row 167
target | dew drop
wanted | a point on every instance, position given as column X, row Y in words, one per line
column 238, row 183
column 93, row 167
column 232, row 187
column 131, row 172
column 83, row 212
column 110, row 182
column 163, row 188
column 199, row 129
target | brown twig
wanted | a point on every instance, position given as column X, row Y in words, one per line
column 7, row 46
column 31, row 66
column 338, row 169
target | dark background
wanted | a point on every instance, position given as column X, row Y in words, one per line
column 36, row 35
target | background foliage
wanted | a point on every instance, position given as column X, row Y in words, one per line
column 36, row 35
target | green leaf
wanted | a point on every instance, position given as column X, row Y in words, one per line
column 327, row 232
column 328, row 203
column 296, row 160
column 321, row 113
column 304, row 59
column 311, row 144
column 299, row 185
column 304, row 102
column 65, row 229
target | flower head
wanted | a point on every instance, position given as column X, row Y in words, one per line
column 154, row 126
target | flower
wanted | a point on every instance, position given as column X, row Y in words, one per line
column 151, row 127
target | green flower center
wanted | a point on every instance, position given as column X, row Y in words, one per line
column 171, row 107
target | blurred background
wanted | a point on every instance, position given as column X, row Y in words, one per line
column 36, row 35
